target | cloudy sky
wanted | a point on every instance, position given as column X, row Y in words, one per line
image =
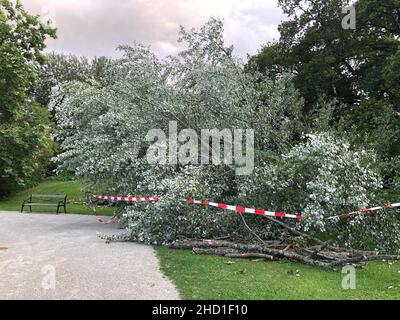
column 97, row 27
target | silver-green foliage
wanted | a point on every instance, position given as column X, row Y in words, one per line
column 103, row 130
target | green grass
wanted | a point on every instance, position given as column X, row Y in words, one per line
column 73, row 189
column 218, row 278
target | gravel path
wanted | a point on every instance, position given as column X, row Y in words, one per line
column 46, row 256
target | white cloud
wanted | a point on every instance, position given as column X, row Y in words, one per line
column 97, row 27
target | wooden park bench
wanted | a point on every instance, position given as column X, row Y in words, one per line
column 38, row 200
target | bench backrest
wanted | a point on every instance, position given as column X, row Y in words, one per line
column 43, row 196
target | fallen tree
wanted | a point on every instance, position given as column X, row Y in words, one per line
column 317, row 256
column 316, row 253
column 104, row 134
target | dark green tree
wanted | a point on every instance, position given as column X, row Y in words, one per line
column 24, row 126
column 359, row 68
column 348, row 65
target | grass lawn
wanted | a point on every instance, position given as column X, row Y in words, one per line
column 73, row 189
column 218, row 278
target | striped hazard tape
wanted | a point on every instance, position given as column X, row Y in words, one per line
column 366, row 211
column 126, row 199
column 94, row 206
column 239, row 209
column 102, row 221
column 118, row 199
column 207, row 203
column 246, row 210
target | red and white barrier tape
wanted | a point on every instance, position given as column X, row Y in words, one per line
column 126, row 199
column 246, row 210
column 122, row 199
column 238, row 208
column 102, row 221
column 365, row 211
column 206, row 203
column 91, row 204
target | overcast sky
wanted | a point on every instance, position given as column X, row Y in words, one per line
column 97, row 27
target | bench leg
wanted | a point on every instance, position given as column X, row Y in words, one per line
column 30, row 208
column 65, row 209
column 58, row 209
column 22, row 209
